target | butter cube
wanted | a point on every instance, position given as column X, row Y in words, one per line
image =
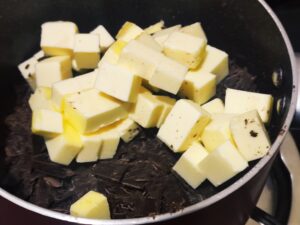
column 92, row 205
column 167, row 104
column 88, row 110
column 129, row 31
column 183, row 125
column 237, row 101
column 91, row 145
column 139, row 59
column 41, row 99
column 250, row 135
column 110, row 141
column 112, row 54
column 162, row 35
column 194, row 29
column 222, row 164
column 106, row 40
column 27, row 69
column 186, row 49
column 39, row 55
column 168, row 75
column 118, row 82
column 187, row 166
column 52, row 70
column 128, row 129
column 155, row 27
column 46, row 123
column 72, row 85
column 214, row 106
column 149, row 41
column 146, row 111
column 199, row 86
column 64, row 148
column 216, row 62
column 86, row 51
column 58, row 38
column 217, row 132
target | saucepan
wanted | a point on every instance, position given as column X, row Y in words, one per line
column 248, row 30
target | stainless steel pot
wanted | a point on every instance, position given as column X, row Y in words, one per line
column 248, row 30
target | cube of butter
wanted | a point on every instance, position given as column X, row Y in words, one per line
column 222, row 164
column 149, row 41
column 161, row 36
column 46, row 123
column 106, row 40
column 216, row 62
column 86, row 51
column 214, row 106
column 237, row 101
column 110, row 141
column 72, row 85
column 41, row 99
column 92, row 205
column 199, row 86
column 58, row 38
column 52, row 70
column 186, row 49
column 27, row 69
column 118, row 82
column 194, row 29
column 250, row 135
column 91, row 145
column 112, row 54
column 168, row 74
column 183, row 125
column 64, row 148
column 217, row 132
column 187, row 166
column 167, row 103
column 155, row 27
column 146, row 111
column 88, row 110
column 129, row 31
column 127, row 129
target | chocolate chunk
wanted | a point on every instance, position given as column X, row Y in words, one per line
column 253, row 133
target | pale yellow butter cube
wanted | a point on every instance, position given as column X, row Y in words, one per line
column 194, row 29
column 127, row 129
column 86, row 51
column 155, row 27
column 112, row 54
column 91, row 145
column 149, row 41
column 106, row 40
column 72, row 85
column 88, row 110
column 186, row 49
column 110, row 141
column 129, row 31
column 41, row 99
column 169, row 75
column 217, row 132
column 64, row 148
column 250, row 135
column 58, row 38
column 139, row 59
column 146, row 111
column 187, row 167
column 237, row 101
column 46, row 123
column 214, row 106
column 52, row 70
column 216, row 62
column 118, row 82
column 222, row 164
column 167, row 103
column 27, row 69
column 162, row 35
column 183, row 125
column 199, row 86
column 92, row 205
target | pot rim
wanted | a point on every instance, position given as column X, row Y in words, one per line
column 207, row 202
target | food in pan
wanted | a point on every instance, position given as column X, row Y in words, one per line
column 157, row 83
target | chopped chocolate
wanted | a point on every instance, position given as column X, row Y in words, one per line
column 253, row 133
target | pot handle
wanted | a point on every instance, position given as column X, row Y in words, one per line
column 264, row 218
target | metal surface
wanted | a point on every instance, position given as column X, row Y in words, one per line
column 217, row 197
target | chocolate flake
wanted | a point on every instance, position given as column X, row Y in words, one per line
column 253, row 133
